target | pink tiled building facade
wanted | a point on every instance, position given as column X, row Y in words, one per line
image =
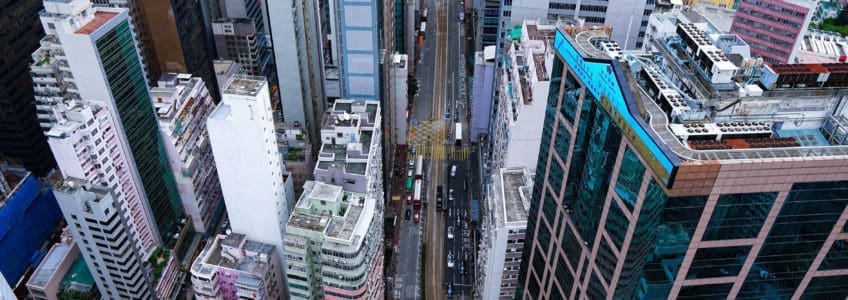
column 646, row 189
column 772, row 27
column 233, row 267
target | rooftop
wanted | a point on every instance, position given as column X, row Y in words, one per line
column 345, row 222
column 253, row 260
column 245, row 85
column 49, row 265
column 514, row 186
column 712, row 101
column 100, row 18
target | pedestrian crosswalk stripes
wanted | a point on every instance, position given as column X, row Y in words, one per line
column 442, row 152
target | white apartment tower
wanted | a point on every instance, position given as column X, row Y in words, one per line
column 296, row 39
column 85, row 144
column 516, row 130
column 257, row 189
column 183, row 103
column 105, row 239
column 503, row 230
column 89, row 53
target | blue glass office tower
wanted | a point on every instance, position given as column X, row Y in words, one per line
column 657, row 181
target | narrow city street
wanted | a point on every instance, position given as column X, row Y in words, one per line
column 440, row 105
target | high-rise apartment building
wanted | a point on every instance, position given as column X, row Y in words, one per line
column 235, row 267
column 657, row 181
column 183, row 103
column 257, row 189
column 105, row 239
column 85, row 143
column 351, row 154
column 241, row 41
column 503, row 233
column 94, row 51
column 297, row 40
column 334, row 247
column 20, row 135
column 773, row 28
column 516, row 128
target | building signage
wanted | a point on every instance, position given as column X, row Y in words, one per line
column 599, row 78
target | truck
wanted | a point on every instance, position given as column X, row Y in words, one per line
column 457, row 133
column 419, row 167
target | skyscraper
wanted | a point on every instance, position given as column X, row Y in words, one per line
column 655, row 181
column 182, row 104
column 257, row 189
column 171, row 37
column 83, row 151
column 95, row 218
column 20, row 135
column 94, row 50
column 297, row 41
column 355, row 48
column 773, row 28
column 334, row 245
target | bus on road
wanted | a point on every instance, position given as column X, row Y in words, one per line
column 408, row 184
column 416, row 195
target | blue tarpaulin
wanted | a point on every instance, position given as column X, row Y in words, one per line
column 27, row 221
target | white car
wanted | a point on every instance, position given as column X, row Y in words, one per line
column 450, row 232
column 450, row 261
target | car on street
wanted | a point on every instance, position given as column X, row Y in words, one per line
column 408, row 214
column 458, row 221
column 462, row 267
column 450, row 198
column 450, row 261
column 450, row 290
column 450, row 232
column 412, row 150
column 447, row 114
column 417, row 218
column 411, row 163
column 465, row 185
column 408, row 199
column 453, row 171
